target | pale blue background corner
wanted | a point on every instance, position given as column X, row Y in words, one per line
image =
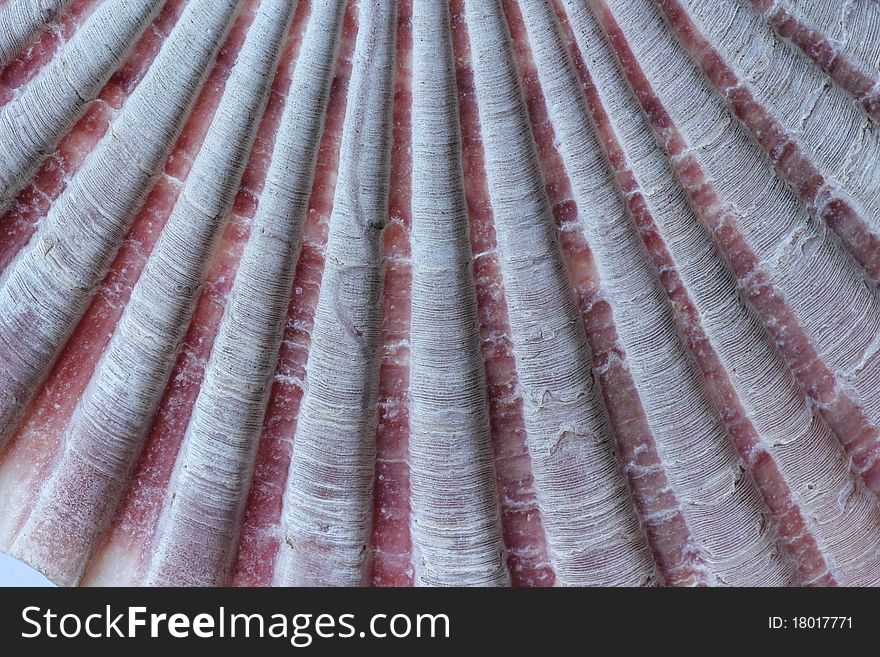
column 15, row 573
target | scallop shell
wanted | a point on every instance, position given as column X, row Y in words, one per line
column 484, row 292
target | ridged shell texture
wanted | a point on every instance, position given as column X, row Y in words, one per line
column 429, row 292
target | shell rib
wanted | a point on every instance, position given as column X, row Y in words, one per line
column 440, row 292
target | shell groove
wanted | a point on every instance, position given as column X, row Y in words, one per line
column 440, row 292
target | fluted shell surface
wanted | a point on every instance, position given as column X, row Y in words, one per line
column 429, row 292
